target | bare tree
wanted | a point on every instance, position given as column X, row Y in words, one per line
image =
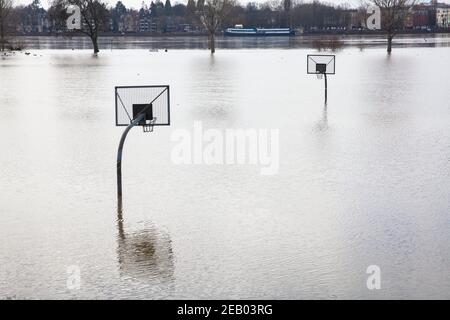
column 94, row 17
column 6, row 8
column 393, row 15
column 213, row 13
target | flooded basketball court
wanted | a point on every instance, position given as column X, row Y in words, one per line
column 362, row 181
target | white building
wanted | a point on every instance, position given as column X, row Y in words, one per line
column 443, row 16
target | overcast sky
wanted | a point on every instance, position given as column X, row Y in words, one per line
column 137, row 3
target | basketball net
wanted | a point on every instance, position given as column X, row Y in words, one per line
column 319, row 76
column 149, row 126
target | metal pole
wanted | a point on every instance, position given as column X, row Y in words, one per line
column 119, row 161
column 326, row 88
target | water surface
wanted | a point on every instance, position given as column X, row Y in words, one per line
column 364, row 181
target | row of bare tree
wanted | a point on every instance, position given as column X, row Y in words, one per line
column 94, row 16
column 211, row 14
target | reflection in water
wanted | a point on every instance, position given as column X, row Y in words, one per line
column 145, row 255
column 322, row 124
column 208, row 79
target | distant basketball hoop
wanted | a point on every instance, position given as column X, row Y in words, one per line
column 321, row 65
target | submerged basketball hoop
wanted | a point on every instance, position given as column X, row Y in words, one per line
column 145, row 106
column 150, row 101
column 321, row 65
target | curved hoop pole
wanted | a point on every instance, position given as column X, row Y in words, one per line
column 119, row 161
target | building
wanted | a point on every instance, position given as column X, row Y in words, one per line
column 443, row 16
column 146, row 22
column 356, row 19
column 420, row 16
column 428, row 16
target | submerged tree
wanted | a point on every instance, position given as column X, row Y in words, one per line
column 94, row 17
column 6, row 9
column 393, row 16
column 213, row 13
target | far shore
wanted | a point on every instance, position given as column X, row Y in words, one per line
column 201, row 34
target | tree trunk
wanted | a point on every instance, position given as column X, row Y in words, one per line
column 95, row 44
column 2, row 37
column 212, row 43
column 389, row 39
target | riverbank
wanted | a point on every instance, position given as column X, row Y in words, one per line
column 202, row 34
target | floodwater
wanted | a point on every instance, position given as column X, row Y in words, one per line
column 363, row 181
